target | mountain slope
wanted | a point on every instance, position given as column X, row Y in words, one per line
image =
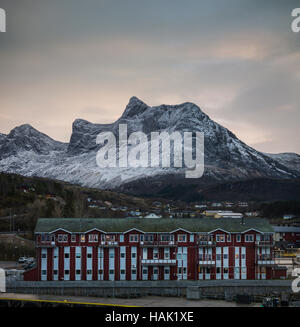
column 28, row 152
column 288, row 159
column 27, row 138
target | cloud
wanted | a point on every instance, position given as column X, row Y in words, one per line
column 238, row 60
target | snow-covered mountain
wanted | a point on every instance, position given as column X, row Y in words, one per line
column 288, row 159
column 28, row 152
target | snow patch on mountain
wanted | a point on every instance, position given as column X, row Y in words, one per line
column 29, row 152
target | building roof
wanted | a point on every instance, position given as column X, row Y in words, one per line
column 229, row 214
column 286, row 229
column 121, row 225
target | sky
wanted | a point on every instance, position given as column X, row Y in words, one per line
column 238, row 60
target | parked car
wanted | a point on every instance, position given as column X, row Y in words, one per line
column 30, row 260
column 22, row 259
column 29, row 266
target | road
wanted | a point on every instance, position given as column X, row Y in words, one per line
column 147, row 301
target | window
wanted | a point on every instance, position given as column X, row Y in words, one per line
column 44, row 272
column 148, row 238
column 184, row 270
column 167, row 271
column 93, row 238
column 133, row 238
column 111, row 254
column 46, row 237
column 238, row 237
column 121, row 238
column 108, row 238
column 249, row 238
column 122, row 254
column 62, row 238
column 67, row 255
column 200, row 256
column 111, row 272
column 155, row 271
column 220, row 238
column 228, row 238
column 243, row 256
column 208, row 270
column 155, row 255
column 203, row 237
column 82, row 238
column 166, row 237
column 225, row 256
column 55, row 272
column 218, row 270
column 100, row 271
column 78, row 272
column 167, row 254
column 73, row 238
column 133, row 272
column 218, row 257
column 179, row 270
column 89, row 255
column 122, row 272
column 181, row 238
column 145, row 271
column 78, row 255
column 133, row 255
column 44, row 255
column 225, row 270
column 67, row 272
column 88, row 272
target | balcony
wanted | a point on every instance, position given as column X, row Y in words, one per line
column 159, row 262
column 108, row 244
column 45, row 244
column 206, row 243
column 265, row 261
column 207, row 263
column 157, row 243
column 265, row 243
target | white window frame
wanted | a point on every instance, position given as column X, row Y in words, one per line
column 249, row 236
column 218, row 236
column 93, row 238
column 133, row 238
column 62, row 238
column 182, row 236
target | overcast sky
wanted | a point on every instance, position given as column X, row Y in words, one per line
column 237, row 60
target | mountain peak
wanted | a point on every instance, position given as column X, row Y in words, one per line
column 134, row 107
column 24, row 128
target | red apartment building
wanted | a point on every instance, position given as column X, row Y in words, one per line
column 153, row 249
